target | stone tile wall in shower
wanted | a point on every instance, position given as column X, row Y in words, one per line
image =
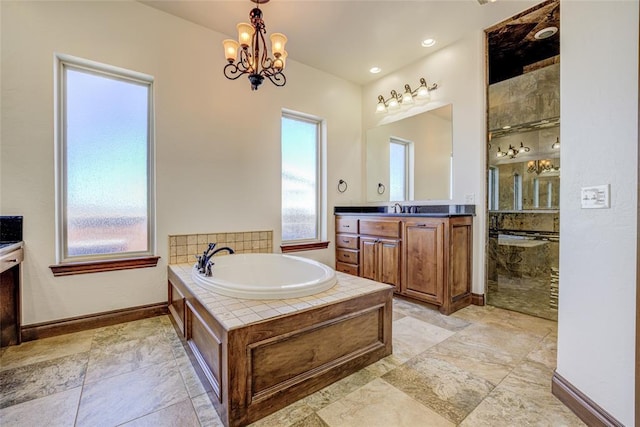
column 183, row 248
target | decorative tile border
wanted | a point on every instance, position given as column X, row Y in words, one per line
column 183, row 248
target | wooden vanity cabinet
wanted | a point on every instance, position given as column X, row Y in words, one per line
column 437, row 261
column 380, row 254
column 425, row 258
column 347, row 245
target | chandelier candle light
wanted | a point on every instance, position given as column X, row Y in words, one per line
column 253, row 58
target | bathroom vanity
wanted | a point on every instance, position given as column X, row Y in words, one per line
column 425, row 253
column 11, row 256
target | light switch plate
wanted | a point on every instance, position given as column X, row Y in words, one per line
column 595, row 197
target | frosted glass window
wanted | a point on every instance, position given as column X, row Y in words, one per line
column 300, row 178
column 398, row 170
column 106, row 169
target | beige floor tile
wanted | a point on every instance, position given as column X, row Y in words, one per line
column 55, row 410
column 546, row 352
column 380, row 404
column 428, row 314
column 42, row 379
column 521, row 322
column 46, row 349
column 505, row 408
column 286, row 416
column 122, row 357
column 312, row 420
column 443, row 387
column 205, row 411
column 129, row 396
column 338, row 390
column 516, row 343
column 383, row 366
column 122, row 332
column 473, row 313
column 179, row 414
column 488, row 363
column 412, row 336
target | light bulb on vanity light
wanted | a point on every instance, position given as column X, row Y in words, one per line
column 381, row 107
column 407, row 96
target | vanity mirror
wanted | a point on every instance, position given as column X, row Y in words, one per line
column 411, row 159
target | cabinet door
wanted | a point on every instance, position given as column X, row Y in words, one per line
column 368, row 258
column 389, row 262
column 424, row 258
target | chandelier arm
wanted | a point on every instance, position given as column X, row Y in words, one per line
column 277, row 79
column 232, row 72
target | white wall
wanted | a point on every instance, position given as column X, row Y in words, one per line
column 217, row 143
column 599, row 143
column 459, row 71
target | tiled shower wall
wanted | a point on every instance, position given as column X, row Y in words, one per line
column 184, row 247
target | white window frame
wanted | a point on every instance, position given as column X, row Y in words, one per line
column 321, row 198
column 62, row 63
column 408, row 166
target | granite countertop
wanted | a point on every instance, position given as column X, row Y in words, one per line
column 6, row 247
column 409, row 210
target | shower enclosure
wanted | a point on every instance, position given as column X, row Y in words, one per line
column 523, row 163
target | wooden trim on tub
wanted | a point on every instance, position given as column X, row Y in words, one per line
column 585, row 408
column 92, row 321
column 477, row 299
column 83, row 267
column 307, row 246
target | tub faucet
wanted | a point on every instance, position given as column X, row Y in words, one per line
column 224, row 248
column 205, row 264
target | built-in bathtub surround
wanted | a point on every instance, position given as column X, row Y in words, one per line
column 184, row 247
column 261, row 355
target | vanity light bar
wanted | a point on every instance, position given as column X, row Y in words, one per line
column 396, row 100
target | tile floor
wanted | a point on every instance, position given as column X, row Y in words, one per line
column 481, row 366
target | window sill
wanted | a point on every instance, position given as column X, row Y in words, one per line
column 307, row 246
column 71, row 268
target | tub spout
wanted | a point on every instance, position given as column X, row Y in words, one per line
column 224, row 248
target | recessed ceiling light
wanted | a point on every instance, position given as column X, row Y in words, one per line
column 375, row 70
column 545, row 33
column 428, row 42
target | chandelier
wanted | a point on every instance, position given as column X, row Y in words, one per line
column 512, row 152
column 406, row 98
column 252, row 58
column 541, row 166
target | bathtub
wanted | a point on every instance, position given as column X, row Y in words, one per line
column 266, row 276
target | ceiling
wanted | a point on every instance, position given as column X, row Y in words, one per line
column 513, row 47
column 347, row 38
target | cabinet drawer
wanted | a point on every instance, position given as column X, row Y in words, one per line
column 380, row 228
column 346, row 225
column 11, row 259
column 346, row 241
column 347, row 268
column 347, row 255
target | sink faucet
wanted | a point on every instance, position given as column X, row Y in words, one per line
column 397, row 208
